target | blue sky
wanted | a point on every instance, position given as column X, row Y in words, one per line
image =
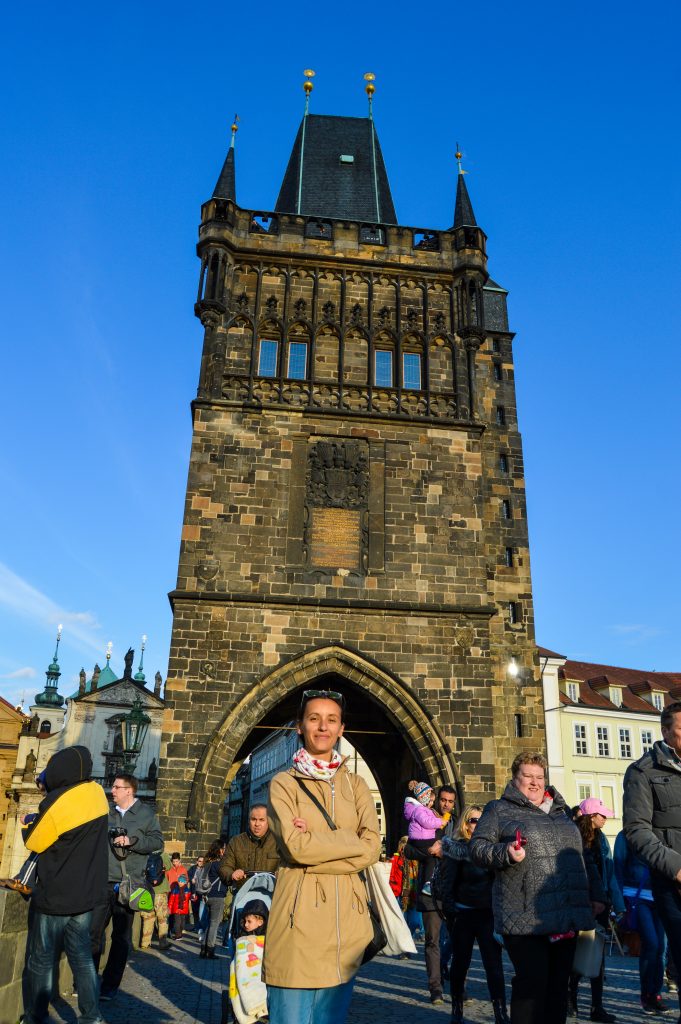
column 115, row 127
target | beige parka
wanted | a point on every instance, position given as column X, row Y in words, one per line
column 319, row 924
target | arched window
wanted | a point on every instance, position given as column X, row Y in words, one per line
column 46, row 726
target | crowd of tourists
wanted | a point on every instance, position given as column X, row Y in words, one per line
column 292, row 896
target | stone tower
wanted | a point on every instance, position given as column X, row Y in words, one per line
column 355, row 515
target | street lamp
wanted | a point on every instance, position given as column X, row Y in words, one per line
column 134, row 728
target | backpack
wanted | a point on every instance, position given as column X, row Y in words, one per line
column 154, row 872
column 202, row 883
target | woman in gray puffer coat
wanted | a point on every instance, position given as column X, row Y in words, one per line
column 543, row 894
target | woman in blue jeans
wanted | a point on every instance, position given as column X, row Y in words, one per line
column 633, row 876
column 324, row 821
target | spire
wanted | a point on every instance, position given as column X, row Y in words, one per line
column 226, row 184
column 50, row 696
column 107, row 675
column 463, row 210
column 139, row 674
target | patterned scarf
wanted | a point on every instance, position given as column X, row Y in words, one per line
column 313, row 768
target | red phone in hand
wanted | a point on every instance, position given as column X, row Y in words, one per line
column 520, row 840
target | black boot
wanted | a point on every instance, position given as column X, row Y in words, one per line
column 203, row 952
column 210, row 952
column 457, row 1008
column 500, row 1014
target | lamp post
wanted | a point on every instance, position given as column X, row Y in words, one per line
column 134, row 727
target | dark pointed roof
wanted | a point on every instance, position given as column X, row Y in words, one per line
column 226, row 184
column 463, row 211
column 356, row 189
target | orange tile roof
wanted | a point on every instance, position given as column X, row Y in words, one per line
column 592, row 678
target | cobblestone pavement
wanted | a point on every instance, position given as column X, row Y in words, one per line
column 179, row 987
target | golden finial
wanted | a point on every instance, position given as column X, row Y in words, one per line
column 370, row 88
column 459, row 157
column 235, row 129
column 308, row 86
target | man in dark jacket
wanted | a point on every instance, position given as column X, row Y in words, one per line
column 70, row 836
column 652, row 821
column 139, row 834
column 253, row 850
column 432, row 922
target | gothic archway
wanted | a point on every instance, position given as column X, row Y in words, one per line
column 386, row 723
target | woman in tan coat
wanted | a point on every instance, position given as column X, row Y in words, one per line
column 319, row 925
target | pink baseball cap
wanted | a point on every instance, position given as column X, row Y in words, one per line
column 592, row 805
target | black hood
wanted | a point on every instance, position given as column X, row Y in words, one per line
column 67, row 768
column 255, row 907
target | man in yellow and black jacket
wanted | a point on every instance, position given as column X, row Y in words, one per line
column 70, row 835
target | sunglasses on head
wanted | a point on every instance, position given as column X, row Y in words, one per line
column 324, row 695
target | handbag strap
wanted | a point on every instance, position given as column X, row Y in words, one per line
column 325, row 814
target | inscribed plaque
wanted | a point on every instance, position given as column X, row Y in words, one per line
column 335, row 538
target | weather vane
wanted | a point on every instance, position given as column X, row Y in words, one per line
column 459, row 157
column 235, row 129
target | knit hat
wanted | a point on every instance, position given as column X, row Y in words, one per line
column 422, row 792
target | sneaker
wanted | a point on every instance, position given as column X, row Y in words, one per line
column 600, row 1014
column 425, row 891
column 653, row 1004
column 437, row 998
column 107, row 995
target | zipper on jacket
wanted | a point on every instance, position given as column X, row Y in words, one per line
column 296, row 898
column 338, row 966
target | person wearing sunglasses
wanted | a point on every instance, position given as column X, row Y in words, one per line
column 319, row 924
column 467, row 905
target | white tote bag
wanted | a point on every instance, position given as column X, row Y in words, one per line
column 388, row 909
column 589, row 953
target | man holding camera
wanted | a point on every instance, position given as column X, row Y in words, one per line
column 134, row 833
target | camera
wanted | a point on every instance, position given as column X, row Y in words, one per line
column 117, row 832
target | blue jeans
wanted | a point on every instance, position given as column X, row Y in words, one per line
column 653, row 948
column 668, row 905
column 309, row 1005
column 49, row 934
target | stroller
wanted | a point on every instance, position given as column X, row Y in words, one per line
column 246, row 1000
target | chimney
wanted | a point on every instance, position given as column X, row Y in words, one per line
column 81, row 684
column 95, row 678
column 157, row 684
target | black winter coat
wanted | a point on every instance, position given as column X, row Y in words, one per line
column 463, row 882
column 548, row 893
column 652, row 812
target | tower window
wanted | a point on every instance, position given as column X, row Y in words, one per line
column 508, row 558
column 501, row 416
column 411, row 371
column 267, row 358
column 297, row 360
column 503, row 462
column 498, row 375
column 518, row 726
column 513, row 612
column 496, row 345
column 45, row 726
column 506, row 509
column 383, row 368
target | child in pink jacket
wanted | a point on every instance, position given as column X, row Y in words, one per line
column 423, row 821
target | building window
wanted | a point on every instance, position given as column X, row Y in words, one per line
column 267, row 358
column 411, row 371
column 45, row 727
column 297, row 360
column 625, row 744
column 602, row 741
column 383, row 368
column 518, row 726
column 580, row 739
column 615, row 696
column 573, row 691
column 498, row 375
column 503, row 462
column 646, row 740
column 583, row 791
column 508, row 558
column 658, row 701
column 513, row 612
column 506, row 509
column 501, row 416
column 496, row 345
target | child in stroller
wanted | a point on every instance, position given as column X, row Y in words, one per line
column 247, row 927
